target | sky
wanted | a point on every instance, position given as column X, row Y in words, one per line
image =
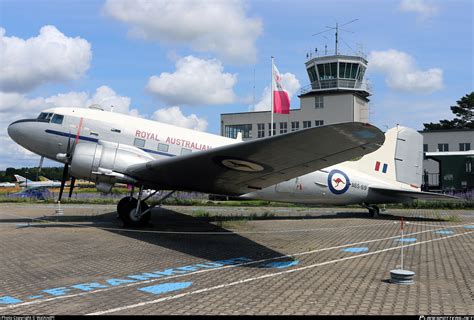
column 185, row 62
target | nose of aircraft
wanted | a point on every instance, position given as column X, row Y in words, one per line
column 14, row 131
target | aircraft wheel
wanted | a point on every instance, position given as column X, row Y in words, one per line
column 374, row 211
column 127, row 213
column 121, row 204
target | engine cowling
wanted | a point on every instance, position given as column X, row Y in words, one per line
column 105, row 162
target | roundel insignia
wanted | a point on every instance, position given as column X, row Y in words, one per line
column 338, row 182
column 242, row 165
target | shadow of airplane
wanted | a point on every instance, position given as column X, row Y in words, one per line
column 175, row 231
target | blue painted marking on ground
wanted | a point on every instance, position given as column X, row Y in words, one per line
column 444, row 232
column 9, row 300
column 356, row 249
column 35, row 297
column 469, row 227
column 281, row 264
column 166, row 287
column 407, row 240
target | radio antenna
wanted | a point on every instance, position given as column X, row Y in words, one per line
column 336, row 28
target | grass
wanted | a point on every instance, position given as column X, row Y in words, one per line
column 417, row 204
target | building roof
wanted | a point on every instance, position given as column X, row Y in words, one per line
column 445, row 130
column 450, row 153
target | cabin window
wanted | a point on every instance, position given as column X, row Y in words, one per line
column 163, row 147
column 185, row 151
column 115, row 130
column 57, row 118
column 139, row 142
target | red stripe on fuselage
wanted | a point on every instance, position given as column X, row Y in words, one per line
column 79, row 131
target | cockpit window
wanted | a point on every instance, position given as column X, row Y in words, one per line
column 45, row 116
column 57, row 118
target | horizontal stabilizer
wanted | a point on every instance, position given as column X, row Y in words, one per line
column 391, row 192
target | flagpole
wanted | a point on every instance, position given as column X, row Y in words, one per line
column 271, row 97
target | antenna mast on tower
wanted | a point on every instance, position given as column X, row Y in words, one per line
column 337, row 33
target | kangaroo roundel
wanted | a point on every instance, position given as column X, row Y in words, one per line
column 338, row 182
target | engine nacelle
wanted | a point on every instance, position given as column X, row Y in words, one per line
column 105, row 162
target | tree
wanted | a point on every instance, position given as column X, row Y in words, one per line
column 464, row 119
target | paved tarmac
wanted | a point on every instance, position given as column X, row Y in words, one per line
column 233, row 261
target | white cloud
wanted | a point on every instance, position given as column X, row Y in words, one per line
column 174, row 116
column 49, row 57
column 195, row 82
column 289, row 82
column 402, row 74
column 218, row 26
column 423, row 8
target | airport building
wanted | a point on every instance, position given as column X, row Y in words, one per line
column 337, row 93
column 449, row 159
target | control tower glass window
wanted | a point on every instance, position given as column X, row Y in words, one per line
column 232, row 130
column 348, row 70
column 327, row 71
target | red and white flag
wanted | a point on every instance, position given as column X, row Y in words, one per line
column 281, row 100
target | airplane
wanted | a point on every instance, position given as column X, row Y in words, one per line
column 7, row 185
column 109, row 148
column 26, row 183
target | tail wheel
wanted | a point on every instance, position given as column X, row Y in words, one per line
column 127, row 212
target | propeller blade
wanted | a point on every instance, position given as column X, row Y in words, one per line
column 71, row 186
column 63, row 180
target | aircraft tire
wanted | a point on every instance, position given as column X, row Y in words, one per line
column 374, row 211
column 126, row 213
column 121, row 204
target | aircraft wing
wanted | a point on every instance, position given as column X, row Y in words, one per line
column 252, row 165
column 384, row 191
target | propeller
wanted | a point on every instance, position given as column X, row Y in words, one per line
column 69, row 152
column 71, row 186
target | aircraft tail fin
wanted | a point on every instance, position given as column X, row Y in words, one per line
column 19, row 178
column 399, row 159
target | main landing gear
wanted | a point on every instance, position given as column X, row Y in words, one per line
column 374, row 211
column 135, row 212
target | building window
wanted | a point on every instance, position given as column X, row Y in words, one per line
column 116, row 130
column 306, row 124
column 468, row 165
column 270, row 130
column 139, row 142
column 163, row 147
column 295, row 125
column 319, row 123
column 232, row 130
column 319, row 102
column 443, row 147
column 464, row 146
column 283, row 127
column 425, row 147
column 260, row 130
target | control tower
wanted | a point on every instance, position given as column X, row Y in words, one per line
column 338, row 87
